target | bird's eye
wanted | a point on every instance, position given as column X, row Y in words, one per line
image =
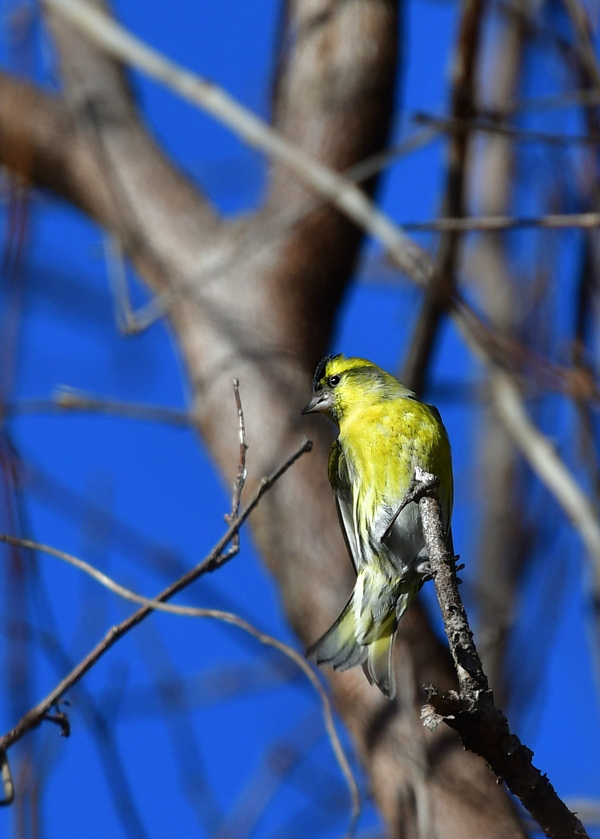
column 332, row 381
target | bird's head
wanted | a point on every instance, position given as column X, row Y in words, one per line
column 341, row 384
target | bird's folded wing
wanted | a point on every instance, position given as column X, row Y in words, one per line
column 341, row 483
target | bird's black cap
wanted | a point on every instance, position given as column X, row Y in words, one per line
column 320, row 371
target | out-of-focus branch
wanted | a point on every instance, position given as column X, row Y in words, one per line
column 441, row 284
column 461, row 126
column 262, row 317
column 546, row 463
column 217, row 557
column 502, row 546
column 158, row 605
column 67, row 399
column 471, row 712
column 487, row 224
column 115, row 39
column 7, row 780
column 555, row 101
column 585, row 42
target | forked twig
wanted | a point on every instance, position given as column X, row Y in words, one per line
column 217, row 557
column 129, row 321
column 217, row 614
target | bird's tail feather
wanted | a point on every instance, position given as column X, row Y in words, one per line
column 379, row 667
column 339, row 646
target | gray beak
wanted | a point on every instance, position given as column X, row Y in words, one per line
column 320, row 403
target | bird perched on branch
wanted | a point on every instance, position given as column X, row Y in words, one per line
column 385, row 434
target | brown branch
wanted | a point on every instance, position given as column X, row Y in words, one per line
column 461, row 126
column 214, row 560
column 67, row 399
column 552, row 221
column 585, row 40
column 470, row 711
column 442, row 283
column 242, row 474
column 61, row 719
column 119, row 44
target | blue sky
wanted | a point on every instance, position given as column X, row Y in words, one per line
column 141, row 501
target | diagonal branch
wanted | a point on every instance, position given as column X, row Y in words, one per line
column 471, row 712
column 118, row 42
column 194, row 612
column 214, row 560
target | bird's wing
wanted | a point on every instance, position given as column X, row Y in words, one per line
column 342, row 490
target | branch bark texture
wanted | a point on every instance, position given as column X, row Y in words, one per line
column 470, row 711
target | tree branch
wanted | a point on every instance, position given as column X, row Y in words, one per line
column 119, row 43
column 158, row 605
column 441, row 286
column 487, row 224
column 214, row 560
column 482, row 727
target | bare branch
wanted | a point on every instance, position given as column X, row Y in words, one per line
column 118, row 42
column 554, row 221
column 242, row 473
column 216, row 614
column 66, row 399
column 441, row 286
column 7, row 781
column 130, row 322
column 558, row 101
column 482, row 727
column 585, row 47
column 460, row 126
column 214, row 560
column 546, row 462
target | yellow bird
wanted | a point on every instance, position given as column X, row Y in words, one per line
column 385, row 433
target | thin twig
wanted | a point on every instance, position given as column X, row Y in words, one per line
column 215, row 559
column 483, row 728
column 443, row 283
column 129, row 321
column 460, row 126
column 555, row 101
column 217, row 614
column 542, row 455
column 66, row 399
column 555, row 221
column 585, row 39
column 240, row 480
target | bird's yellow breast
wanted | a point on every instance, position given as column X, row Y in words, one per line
column 383, row 444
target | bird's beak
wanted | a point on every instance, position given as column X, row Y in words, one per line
column 320, row 403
